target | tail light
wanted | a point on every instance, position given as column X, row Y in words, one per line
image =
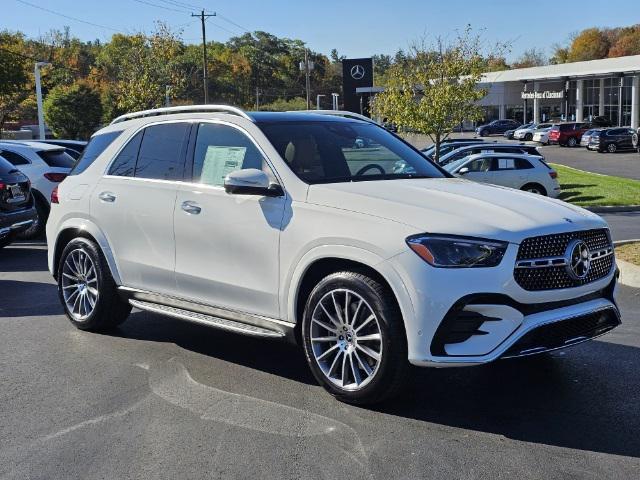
column 553, row 174
column 55, row 177
column 2, row 185
column 54, row 196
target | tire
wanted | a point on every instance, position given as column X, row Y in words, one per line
column 535, row 188
column 36, row 229
column 109, row 310
column 572, row 142
column 5, row 241
column 612, row 148
column 379, row 378
column 483, row 133
column 528, row 137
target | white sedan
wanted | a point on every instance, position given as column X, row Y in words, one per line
column 528, row 133
column 542, row 136
column 523, row 172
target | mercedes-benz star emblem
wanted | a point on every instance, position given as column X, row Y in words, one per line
column 357, row 72
column 578, row 259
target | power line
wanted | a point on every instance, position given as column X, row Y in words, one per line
column 233, row 23
column 53, row 12
column 161, row 6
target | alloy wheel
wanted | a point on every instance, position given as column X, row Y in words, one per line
column 346, row 339
column 611, row 148
column 79, row 284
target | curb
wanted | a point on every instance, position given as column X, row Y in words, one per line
column 614, row 209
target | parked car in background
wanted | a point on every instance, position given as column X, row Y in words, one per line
column 586, row 136
column 272, row 225
column 497, row 127
column 46, row 166
column 509, row 133
column 611, row 140
column 568, row 134
column 35, row 131
column 451, row 145
column 527, row 133
column 73, row 147
column 17, row 212
column 542, row 136
column 488, row 148
column 601, row 122
column 523, row 172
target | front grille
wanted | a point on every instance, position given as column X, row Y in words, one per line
column 564, row 333
column 554, row 246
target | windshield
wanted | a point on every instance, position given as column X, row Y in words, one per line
column 333, row 152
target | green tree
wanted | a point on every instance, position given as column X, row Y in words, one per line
column 73, row 111
column 13, row 73
column 435, row 88
column 282, row 105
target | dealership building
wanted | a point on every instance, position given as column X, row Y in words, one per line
column 576, row 91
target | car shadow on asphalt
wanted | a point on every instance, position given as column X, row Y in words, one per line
column 273, row 356
column 17, row 258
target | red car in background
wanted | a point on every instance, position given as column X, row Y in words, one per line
column 568, row 134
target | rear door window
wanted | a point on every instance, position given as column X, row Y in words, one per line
column 96, row 146
column 57, row 158
column 14, row 158
column 162, row 151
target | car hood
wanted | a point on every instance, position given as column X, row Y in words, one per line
column 457, row 207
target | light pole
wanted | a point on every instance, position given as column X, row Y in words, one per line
column 335, row 100
column 41, row 134
column 318, row 97
column 167, row 95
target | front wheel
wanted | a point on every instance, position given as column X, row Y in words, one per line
column 86, row 288
column 572, row 142
column 611, row 148
column 528, row 137
column 354, row 339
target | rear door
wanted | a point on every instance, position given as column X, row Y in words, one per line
column 134, row 203
column 509, row 171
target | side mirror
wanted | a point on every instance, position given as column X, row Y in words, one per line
column 251, row 181
column 463, row 171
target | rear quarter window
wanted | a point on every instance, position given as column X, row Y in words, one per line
column 96, row 146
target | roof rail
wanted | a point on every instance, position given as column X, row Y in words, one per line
column 182, row 109
column 340, row 113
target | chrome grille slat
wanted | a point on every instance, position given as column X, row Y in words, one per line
column 540, row 264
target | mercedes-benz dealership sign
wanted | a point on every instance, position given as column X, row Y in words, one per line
column 356, row 72
column 542, row 95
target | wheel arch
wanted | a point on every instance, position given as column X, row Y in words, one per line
column 320, row 262
column 84, row 229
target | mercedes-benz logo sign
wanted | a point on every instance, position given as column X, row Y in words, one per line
column 357, row 72
column 578, row 259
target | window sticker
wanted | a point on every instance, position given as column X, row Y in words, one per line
column 219, row 162
column 506, row 163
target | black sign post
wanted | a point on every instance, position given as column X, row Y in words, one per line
column 356, row 73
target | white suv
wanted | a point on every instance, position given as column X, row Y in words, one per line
column 276, row 225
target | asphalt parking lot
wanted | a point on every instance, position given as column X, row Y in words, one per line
column 160, row 398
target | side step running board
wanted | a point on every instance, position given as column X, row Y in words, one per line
column 204, row 319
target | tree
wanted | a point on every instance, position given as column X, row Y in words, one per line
column 628, row 43
column 13, row 73
column 435, row 88
column 590, row 44
column 73, row 111
column 530, row 58
column 281, row 105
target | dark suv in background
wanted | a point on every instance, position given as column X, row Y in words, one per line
column 568, row 134
column 497, row 127
column 17, row 212
column 611, row 140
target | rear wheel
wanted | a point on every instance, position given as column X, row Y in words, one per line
column 612, row 147
column 37, row 228
column 535, row 188
column 354, row 339
column 572, row 142
column 528, row 137
column 86, row 288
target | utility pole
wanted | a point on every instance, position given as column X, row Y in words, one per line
column 257, row 98
column 41, row 134
column 307, row 66
column 203, row 17
column 167, row 97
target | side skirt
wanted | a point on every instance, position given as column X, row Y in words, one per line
column 225, row 319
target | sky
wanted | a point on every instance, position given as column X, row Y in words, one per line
column 355, row 28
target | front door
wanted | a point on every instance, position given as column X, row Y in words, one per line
column 227, row 246
column 135, row 202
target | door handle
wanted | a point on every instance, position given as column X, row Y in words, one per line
column 192, row 208
column 107, row 197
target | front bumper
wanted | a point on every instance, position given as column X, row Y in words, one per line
column 494, row 316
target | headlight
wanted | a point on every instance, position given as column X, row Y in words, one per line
column 457, row 252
